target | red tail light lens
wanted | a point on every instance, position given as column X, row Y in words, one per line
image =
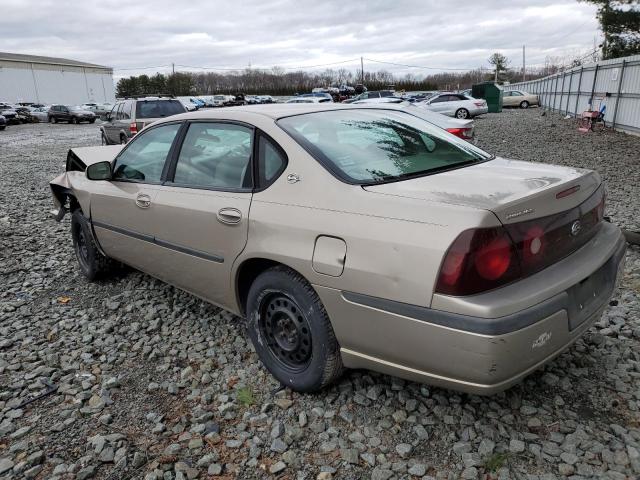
column 479, row 104
column 133, row 128
column 478, row 260
column 464, row 133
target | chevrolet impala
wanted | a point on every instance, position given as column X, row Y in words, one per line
column 353, row 236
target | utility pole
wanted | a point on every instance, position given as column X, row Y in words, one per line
column 173, row 68
column 524, row 75
column 361, row 70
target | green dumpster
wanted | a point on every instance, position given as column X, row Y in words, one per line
column 491, row 92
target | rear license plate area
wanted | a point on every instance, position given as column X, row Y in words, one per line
column 586, row 297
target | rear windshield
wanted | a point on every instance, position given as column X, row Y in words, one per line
column 375, row 146
column 158, row 108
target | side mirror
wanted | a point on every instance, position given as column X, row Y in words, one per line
column 99, row 171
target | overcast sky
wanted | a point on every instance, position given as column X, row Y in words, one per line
column 131, row 34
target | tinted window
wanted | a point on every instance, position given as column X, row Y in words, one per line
column 441, row 98
column 158, row 108
column 271, row 161
column 369, row 146
column 143, row 159
column 215, row 155
column 126, row 110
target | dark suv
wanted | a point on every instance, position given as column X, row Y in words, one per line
column 130, row 116
column 70, row 114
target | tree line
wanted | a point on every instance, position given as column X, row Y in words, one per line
column 277, row 81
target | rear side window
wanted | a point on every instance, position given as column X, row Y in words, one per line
column 215, row 155
column 271, row 161
column 143, row 159
column 158, row 108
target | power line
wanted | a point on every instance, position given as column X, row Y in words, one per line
column 353, row 60
column 140, row 68
column 417, row 66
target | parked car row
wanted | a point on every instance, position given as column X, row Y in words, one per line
column 31, row 113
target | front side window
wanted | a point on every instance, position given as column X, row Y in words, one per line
column 441, row 98
column 144, row 157
column 215, row 155
column 374, row 146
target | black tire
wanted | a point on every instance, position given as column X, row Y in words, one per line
column 123, row 139
column 2, row 127
column 93, row 120
column 75, row 120
column 50, row 119
column 92, row 263
column 291, row 331
column 524, row 104
column 55, row 119
column 462, row 113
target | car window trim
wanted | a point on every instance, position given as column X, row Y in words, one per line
column 257, row 180
column 152, row 127
column 171, row 171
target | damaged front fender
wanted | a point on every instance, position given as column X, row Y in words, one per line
column 70, row 190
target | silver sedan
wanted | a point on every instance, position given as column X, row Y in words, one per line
column 455, row 105
column 41, row 113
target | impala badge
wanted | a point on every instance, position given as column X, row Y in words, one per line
column 541, row 340
column 293, row 178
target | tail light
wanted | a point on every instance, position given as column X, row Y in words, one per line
column 479, row 104
column 482, row 259
column 479, row 259
column 133, row 128
column 464, row 133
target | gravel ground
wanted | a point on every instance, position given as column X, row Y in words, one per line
column 153, row 383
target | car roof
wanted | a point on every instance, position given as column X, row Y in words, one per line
column 276, row 111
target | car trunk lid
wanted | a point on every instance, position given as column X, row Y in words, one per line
column 513, row 190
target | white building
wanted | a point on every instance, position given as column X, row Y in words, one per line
column 30, row 78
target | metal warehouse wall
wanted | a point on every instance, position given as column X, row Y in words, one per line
column 571, row 91
column 44, row 83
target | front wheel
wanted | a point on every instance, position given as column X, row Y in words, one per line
column 462, row 113
column 524, row 104
column 291, row 331
column 92, row 263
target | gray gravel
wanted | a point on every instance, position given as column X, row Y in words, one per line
column 155, row 384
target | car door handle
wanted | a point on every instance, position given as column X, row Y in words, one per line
column 229, row 215
column 143, row 200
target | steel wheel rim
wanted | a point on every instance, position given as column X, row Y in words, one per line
column 287, row 332
column 81, row 249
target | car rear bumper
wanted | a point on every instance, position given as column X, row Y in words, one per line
column 462, row 352
column 479, row 111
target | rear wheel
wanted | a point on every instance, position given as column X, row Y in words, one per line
column 92, row 263
column 524, row 104
column 462, row 113
column 123, row 139
column 291, row 331
column 75, row 120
